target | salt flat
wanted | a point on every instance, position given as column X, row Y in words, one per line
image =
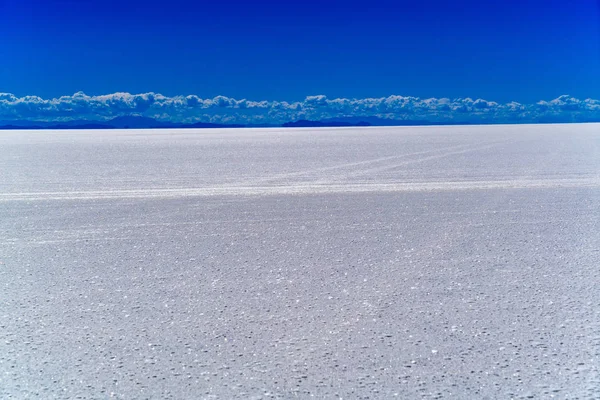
column 418, row 262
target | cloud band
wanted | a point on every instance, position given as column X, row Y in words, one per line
column 223, row 109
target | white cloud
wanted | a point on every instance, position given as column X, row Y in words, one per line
column 192, row 108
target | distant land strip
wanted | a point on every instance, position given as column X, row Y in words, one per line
column 138, row 122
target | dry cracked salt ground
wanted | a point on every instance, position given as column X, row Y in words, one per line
column 433, row 262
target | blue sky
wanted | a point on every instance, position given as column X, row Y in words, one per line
column 500, row 51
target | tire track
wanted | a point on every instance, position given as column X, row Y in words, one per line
column 302, row 189
column 307, row 173
column 420, row 160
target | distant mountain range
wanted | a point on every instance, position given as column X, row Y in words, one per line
column 125, row 122
column 332, row 123
column 138, row 122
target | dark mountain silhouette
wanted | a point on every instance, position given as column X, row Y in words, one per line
column 17, row 127
column 377, row 121
column 369, row 121
column 210, row 125
column 24, row 124
column 123, row 122
column 325, row 123
column 58, row 126
column 82, row 126
column 139, row 122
